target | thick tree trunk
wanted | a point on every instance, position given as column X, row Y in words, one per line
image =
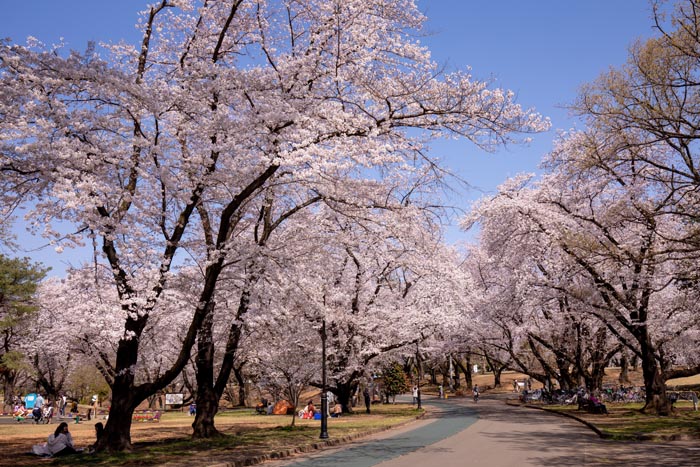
column 446, row 380
column 467, row 369
column 654, row 383
column 656, row 400
column 565, row 378
column 117, row 431
column 8, row 387
column 497, row 370
column 496, row 367
column 624, row 377
column 207, row 400
column 594, row 379
column 600, row 356
column 212, row 391
column 343, row 393
column 207, row 407
column 125, row 396
column 240, row 379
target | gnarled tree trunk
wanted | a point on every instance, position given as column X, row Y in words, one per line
column 207, row 400
column 654, row 383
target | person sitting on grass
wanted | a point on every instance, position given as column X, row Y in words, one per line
column 337, row 410
column 20, row 413
column 99, row 432
column 309, row 411
column 60, row 443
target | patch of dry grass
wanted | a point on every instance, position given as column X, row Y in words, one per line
column 168, row 441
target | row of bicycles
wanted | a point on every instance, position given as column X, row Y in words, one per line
column 575, row 396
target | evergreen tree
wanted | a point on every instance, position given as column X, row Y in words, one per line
column 394, row 381
column 19, row 280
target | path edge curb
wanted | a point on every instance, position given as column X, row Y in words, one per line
column 603, row 435
column 591, row 426
column 317, row 446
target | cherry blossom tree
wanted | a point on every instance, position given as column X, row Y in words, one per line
column 641, row 135
column 155, row 150
column 79, row 323
column 520, row 314
column 285, row 355
column 651, row 102
column 612, row 233
column 380, row 286
column 609, row 232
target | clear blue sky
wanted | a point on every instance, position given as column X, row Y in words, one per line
column 541, row 49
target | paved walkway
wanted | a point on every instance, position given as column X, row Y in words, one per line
column 445, row 421
column 459, row 432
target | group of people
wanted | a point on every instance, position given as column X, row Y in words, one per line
column 310, row 411
column 60, row 442
column 43, row 410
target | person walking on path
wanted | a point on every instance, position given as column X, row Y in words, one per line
column 415, row 395
column 368, row 400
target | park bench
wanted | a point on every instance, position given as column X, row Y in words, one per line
column 146, row 416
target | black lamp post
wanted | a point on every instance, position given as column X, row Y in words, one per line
column 324, row 391
column 419, row 371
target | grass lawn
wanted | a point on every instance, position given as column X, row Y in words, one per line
column 625, row 421
column 246, row 434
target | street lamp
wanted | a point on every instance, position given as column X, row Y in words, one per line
column 419, row 368
column 324, row 391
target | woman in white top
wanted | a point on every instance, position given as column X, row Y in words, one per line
column 60, row 443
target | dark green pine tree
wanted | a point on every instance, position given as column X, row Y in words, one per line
column 19, row 280
column 394, row 381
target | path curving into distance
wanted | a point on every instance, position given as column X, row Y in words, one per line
column 445, row 420
column 459, row 433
